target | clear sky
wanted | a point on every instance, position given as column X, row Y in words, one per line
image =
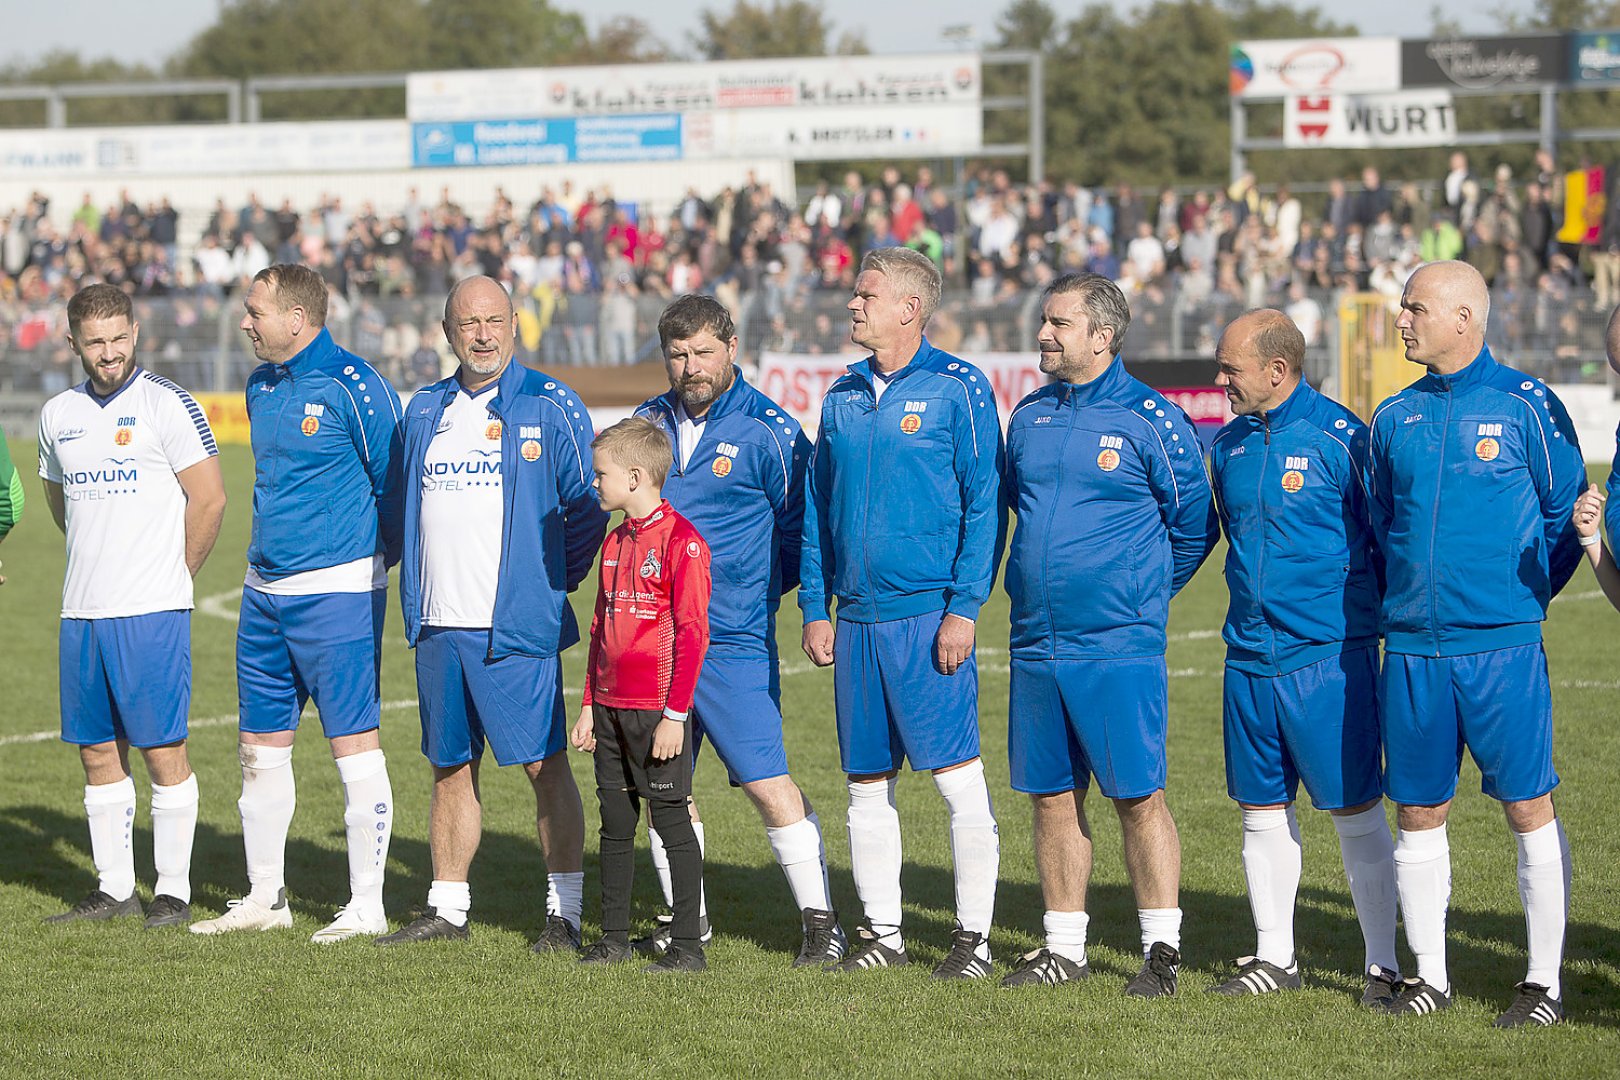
column 149, row 32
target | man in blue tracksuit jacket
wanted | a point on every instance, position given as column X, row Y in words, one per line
column 1472, row 473
column 1114, row 518
column 326, row 526
column 739, row 477
column 501, row 524
column 1301, row 682
column 903, row 524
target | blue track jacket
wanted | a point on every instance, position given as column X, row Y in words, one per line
column 553, row 524
column 326, row 485
column 1302, row 571
column 744, row 491
column 1611, row 509
column 1114, row 517
column 1472, row 478
column 903, row 512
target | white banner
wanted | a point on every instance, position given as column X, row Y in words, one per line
column 1274, row 69
column 207, row 149
column 1366, row 121
column 807, row 133
column 798, row 382
column 863, row 82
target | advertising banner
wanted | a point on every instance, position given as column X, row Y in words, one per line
column 843, row 81
column 1407, row 118
column 546, row 141
column 808, row 133
column 207, row 149
column 1274, row 69
column 1595, row 58
column 1485, row 63
column 798, row 382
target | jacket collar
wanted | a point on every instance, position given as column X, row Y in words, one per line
column 1102, row 388
column 926, row 357
column 729, row 402
column 1295, row 406
column 1477, row 373
column 313, row 355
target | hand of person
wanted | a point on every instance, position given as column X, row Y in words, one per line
column 953, row 644
column 2, row 576
column 668, row 737
column 818, row 642
column 584, row 737
column 1589, row 511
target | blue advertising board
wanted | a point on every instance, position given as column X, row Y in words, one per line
column 555, row 141
column 1595, row 58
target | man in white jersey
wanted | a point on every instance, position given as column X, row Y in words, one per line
column 132, row 478
column 501, row 524
column 325, row 529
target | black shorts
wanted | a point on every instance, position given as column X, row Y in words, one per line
column 624, row 739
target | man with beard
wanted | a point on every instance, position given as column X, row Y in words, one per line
column 500, row 525
column 132, row 478
column 738, row 476
column 1114, row 518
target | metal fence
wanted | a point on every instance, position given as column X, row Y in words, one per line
column 195, row 340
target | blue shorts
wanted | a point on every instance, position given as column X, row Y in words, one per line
column 126, row 678
column 1068, row 720
column 1318, row 724
column 292, row 648
column 1498, row 704
column 739, row 709
column 894, row 705
column 515, row 703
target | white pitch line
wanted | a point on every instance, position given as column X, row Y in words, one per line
column 215, row 605
column 193, row 725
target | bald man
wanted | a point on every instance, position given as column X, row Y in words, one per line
column 1301, row 682
column 1472, row 472
column 500, row 525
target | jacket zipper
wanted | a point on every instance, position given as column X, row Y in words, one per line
column 1260, row 566
column 1434, row 525
column 1051, row 516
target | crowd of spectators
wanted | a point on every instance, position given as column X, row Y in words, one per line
column 590, row 272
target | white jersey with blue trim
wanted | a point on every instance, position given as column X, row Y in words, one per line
column 117, row 459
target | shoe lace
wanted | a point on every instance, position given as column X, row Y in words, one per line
column 1525, row 1002
column 964, row 950
column 818, row 939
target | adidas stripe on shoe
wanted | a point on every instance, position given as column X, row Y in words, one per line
column 1257, row 976
column 969, row 957
column 1532, row 1005
column 1045, row 968
column 1417, row 998
column 870, row 952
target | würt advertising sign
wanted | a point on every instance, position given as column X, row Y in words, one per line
column 1366, row 121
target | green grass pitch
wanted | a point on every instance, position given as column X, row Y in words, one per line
column 112, row 999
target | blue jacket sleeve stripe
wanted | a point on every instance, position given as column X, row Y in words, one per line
column 569, row 423
column 967, row 406
column 1175, row 485
column 1355, row 466
column 359, row 422
column 776, row 444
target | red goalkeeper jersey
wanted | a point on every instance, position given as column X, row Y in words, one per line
column 651, row 627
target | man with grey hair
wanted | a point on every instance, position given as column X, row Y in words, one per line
column 903, row 524
column 1472, row 472
column 501, row 524
column 1114, row 513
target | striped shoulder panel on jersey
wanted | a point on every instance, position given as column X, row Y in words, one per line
column 198, row 418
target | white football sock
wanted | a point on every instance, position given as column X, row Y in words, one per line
column 269, row 797
column 450, row 901
column 174, row 828
column 111, row 810
column 703, row 890
column 1272, row 861
column 975, row 845
column 660, row 861
column 565, row 895
column 874, row 856
column 798, row 851
column 1159, row 924
column 1066, row 934
column 1544, row 877
column 368, row 816
column 1368, row 851
column 1423, row 880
